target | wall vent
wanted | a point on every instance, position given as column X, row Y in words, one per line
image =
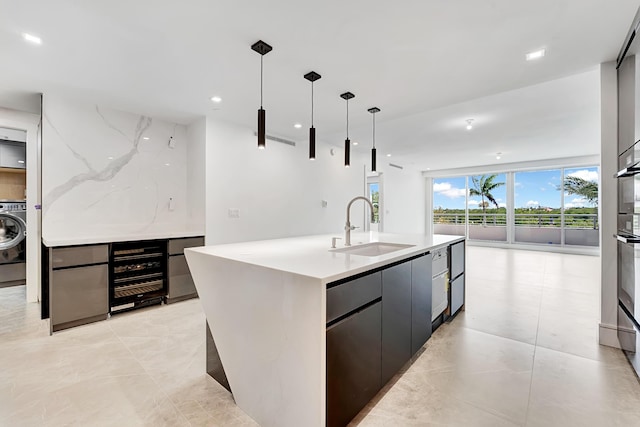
column 276, row 139
column 396, row 166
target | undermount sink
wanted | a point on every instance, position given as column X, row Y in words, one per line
column 372, row 249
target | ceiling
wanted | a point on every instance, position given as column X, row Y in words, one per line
column 428, row 64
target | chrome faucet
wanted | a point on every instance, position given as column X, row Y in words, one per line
column 348, row 227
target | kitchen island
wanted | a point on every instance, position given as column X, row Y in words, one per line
column 267, row 306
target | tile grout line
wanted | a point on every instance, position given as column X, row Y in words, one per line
column 160, row 389
column 535, row 345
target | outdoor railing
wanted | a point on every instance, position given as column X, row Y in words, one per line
column 586, row 221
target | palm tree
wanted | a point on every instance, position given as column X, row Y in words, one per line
column 483, row 185
column 581, row 187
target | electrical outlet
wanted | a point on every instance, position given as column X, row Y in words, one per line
column 234, row 213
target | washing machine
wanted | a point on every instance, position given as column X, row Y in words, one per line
column 13, row 245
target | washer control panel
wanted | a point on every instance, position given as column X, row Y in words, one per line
column 13, row 206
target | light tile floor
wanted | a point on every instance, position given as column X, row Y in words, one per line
column 524, row 353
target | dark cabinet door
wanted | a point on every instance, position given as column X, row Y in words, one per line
column 396, row 319
column 79, row 293
column 180, row 280
column 353, row 364
column 420, row 302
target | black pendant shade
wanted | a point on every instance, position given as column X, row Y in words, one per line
column 347, row 153
column 312, row 143
column 262, row 48
column 373, row 160
column 312, row 77
column 347, row 143
column 373, row 111
column 262, row 124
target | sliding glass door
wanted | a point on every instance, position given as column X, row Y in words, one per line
column 538, row 207
column 581, row 226
column 556, row 207
column 488, row 207
column 450, row 206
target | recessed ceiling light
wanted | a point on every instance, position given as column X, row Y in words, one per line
column 498, row 155
column 110, row 158
column 31, row 38
column 21, row 162
column 167, row 164
column 355, row 143
column 216, row 99
column 146, row 138
column 469, row 124
column 388, row 155
column 297, row 126
column 535, row 55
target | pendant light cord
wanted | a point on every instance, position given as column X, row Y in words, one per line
column 347, row 119
column 374, row 130
column 261, row 57
column 311, row 104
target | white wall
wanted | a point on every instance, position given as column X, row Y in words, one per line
column 404, row 194
column 196, row 173
column 278, row 192
column 29, row 122
column 608, row 204
column 102, row 179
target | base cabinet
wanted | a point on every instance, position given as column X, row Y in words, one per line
column 396, row 319
column 457, row 268
column 420, row 302
column 85, row 283
column 457, row 294
column 79, row 285
column 376, row 323
column 181, row 284
column 353, row 364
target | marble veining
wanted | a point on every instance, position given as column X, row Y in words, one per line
column 105, row 173
column 111, row 172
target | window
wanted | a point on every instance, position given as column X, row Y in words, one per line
column 537, row 207
column 581, row 207
column 449, row 205
column 547, row 207
column 488, row 207
column 374, row 196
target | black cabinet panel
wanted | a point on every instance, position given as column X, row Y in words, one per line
column 348, row 296
column 420, row 302
column 353, row 364
column 396, row 319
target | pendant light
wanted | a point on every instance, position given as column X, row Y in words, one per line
column 262, row 48
column 347, row 144
column 373, row 111
column 312, row 77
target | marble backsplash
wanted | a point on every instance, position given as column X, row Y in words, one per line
column 107, row 171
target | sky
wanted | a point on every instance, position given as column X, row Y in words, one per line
column 532, row 189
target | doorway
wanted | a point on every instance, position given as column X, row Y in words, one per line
column 28, row 184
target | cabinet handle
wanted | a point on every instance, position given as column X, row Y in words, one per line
column 627, row 239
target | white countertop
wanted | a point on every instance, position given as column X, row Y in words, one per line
column 311, row 255
column 128, row 237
